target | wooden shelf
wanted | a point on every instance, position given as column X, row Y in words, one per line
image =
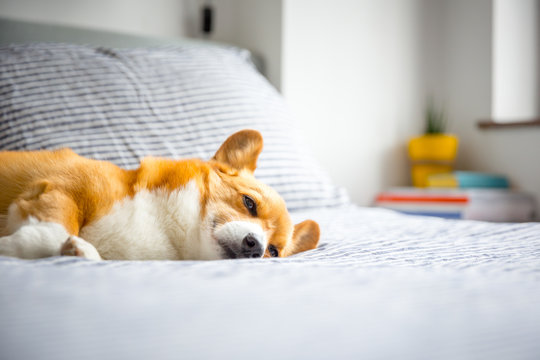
column 490, row 124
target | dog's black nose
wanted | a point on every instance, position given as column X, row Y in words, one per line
column 252, row 246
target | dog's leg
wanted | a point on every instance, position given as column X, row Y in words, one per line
column 34, row 239
column 41, row 223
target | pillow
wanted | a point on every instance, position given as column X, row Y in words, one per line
column 121, row 105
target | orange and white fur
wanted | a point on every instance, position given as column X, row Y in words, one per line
column 59, row 203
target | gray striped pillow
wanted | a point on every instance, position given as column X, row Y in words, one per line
column 124, row 104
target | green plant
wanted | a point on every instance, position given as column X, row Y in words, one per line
column 435, row 120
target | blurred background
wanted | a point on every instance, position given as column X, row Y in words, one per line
column 360, row 75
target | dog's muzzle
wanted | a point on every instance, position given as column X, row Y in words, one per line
column 241, row 239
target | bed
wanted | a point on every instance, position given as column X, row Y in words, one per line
column 381, row 285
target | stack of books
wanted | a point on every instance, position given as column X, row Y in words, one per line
column 463, row 196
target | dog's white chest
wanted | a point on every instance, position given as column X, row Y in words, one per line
column 151, row 225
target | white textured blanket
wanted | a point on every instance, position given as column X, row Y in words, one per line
column 381, row 286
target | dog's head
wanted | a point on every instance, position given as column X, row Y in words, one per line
column 242, row 217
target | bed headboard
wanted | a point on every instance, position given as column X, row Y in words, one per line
column 15, row 31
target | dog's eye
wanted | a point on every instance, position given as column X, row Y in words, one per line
column 250, row 204
column 273, row 251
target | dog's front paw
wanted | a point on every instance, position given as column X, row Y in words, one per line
column 75, row 246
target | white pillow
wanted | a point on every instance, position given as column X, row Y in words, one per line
column 124, row 104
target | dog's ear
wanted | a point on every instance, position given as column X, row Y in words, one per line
column 241, row 150
column 305, row 237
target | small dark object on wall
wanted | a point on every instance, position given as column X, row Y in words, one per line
column 207, row 19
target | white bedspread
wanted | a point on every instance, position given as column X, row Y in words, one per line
column 381, row 286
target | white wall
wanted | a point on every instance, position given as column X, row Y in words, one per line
column 358, row 74
column 352, row 72
column 155, row 17
column 466, row 87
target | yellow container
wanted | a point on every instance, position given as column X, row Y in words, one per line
column 431, row 154
column 436, row 147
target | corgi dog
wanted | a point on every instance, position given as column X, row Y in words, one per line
column 59, row 203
